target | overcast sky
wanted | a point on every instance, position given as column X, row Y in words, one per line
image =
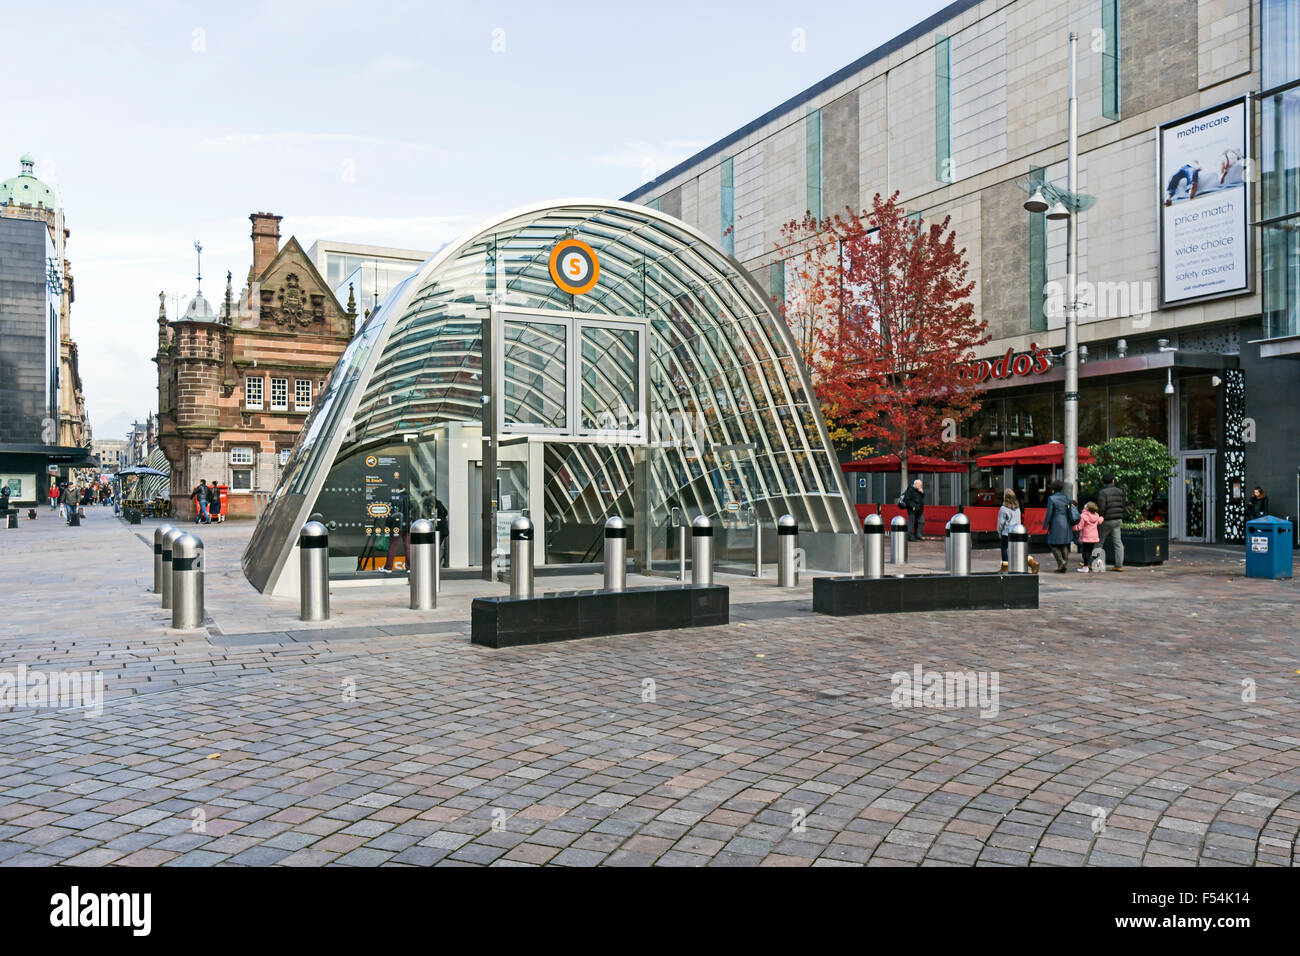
column 383, row 121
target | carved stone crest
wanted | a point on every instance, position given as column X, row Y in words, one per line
column 293, row 304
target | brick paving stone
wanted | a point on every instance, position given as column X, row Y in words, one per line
column 1138, row 714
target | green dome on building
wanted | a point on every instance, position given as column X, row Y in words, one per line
column 25, row 189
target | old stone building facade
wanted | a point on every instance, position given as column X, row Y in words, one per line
column 235, row 386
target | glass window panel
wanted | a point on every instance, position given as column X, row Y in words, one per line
column 1198, row 412
column 534, row 375
column 1279, row 160
column 1281, row 246
column 1140, row 410
column 1280, row 37
column 611, row 384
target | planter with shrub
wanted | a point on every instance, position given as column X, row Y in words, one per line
column 1141, row 467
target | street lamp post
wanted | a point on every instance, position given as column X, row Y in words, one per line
column 1072, row 287
column 1067, row 209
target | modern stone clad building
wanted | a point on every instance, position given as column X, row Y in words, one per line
column 235, row 387
column 1189, row 257
column 42, row 409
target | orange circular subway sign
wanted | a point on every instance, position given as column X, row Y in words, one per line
column 574, row 266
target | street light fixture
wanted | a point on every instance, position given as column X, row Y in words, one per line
column 1059, row 212
column 1036, row 202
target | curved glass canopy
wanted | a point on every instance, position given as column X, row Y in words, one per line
column 670, row 389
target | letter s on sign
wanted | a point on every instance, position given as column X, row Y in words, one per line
column 1042, row 361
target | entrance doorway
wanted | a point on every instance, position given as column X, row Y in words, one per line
column 1191, row 499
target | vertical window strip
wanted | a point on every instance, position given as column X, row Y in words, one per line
column 943, row 111
column 654, row 203
column 776, row 283
column 728, row 206
column 1280, row 42
column 1110, row 88
column 1037, row 258
column 813, row 145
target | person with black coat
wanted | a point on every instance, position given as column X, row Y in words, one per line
column 1111, row 501
column 1256, row 504
column 913, row 501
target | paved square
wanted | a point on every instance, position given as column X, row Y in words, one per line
column 1143, row 717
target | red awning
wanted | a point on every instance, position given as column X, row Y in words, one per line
column 914, row 463
column 1053, row 453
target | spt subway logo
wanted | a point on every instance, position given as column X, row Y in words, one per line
column 574, row 266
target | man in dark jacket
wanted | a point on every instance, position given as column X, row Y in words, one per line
column 1110, row 502
column 202, row 495
column 914, row 504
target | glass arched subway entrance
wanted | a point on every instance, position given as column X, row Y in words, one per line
column 669, row 389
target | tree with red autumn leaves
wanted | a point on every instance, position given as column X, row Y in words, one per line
column 881, row 313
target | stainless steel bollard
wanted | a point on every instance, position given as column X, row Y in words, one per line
column 314, row 568
column 960, row 527
column 873, row 547
column 187, row 582
column 169, row 539
column 898, row 540
column 681, row 553
column 787, row 539
column 615, row 554
column 701, row 551
column 437, row 564
column 521, row 557
column 1018, row 549
column 947, row 546
column 422, row 565
column 158, row 534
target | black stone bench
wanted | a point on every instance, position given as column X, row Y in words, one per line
column 924, row 592
column 565, row 615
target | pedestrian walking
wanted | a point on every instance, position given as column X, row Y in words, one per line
column 214, row 503
column 913, row 502
column 1008, row 518
column 1058, row 525
column 1256, row 504
column 1089, row 538
column 4, row 499
column 70, row 497
column 54, row 496
column 202, row 495
column 1111, row 502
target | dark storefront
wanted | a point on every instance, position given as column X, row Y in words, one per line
column 1196, row 402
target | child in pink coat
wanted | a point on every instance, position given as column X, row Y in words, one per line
column 1089, row 520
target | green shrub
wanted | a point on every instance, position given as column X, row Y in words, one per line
column 1141, row 466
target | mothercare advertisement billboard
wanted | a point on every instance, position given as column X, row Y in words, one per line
column 1204, row 205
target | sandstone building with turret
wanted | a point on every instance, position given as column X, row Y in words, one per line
column 235, row 384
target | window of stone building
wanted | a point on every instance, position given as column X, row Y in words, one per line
column 279, row 394
column 241, row 456
column 253, row 392
column 241, row 479
column 302, row 394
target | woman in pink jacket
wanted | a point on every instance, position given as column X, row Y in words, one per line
column 1089, row 537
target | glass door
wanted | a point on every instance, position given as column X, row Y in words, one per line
column 1194, row 502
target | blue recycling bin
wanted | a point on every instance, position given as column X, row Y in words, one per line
column 1268, row 548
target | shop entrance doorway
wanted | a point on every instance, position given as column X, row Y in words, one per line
column 1191, row 502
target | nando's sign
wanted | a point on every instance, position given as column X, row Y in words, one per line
column 1011, row 365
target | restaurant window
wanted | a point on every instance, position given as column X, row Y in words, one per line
column 279, row 394
column 253, row 392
